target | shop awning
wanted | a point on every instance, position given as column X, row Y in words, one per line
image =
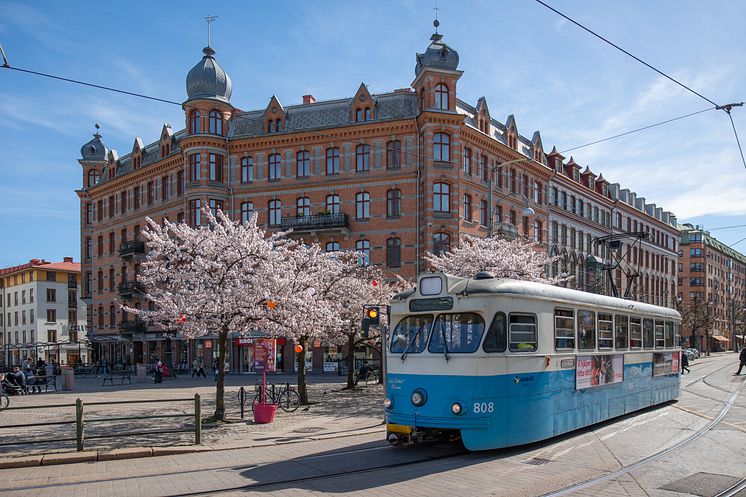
column 720, row 338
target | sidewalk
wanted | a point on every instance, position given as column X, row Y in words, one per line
column 333, row 413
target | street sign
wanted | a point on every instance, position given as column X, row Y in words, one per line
column 208, row 344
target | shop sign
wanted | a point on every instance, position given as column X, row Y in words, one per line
column 208, row 344
column 332, row 350
column 330, row 367
column 243, row 341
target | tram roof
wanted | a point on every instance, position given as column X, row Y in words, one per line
column 509, row 287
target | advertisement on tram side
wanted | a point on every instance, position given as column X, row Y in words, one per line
column 596, row 370
column 666, row 363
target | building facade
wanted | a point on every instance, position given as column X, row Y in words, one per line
column 43, row 316
column 712, row 279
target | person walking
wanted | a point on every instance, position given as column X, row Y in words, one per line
column 158, row 367
column 195, row 363
column 742, row 359
column 684, row 363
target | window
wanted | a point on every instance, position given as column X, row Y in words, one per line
column 537, row 193
column 393, row 154
column 215, row 205
column 123, row 202
column 165, row 183
column 586, row 330
column 247, row 169
column 362, row 205
column 275, row 212
column 51, row 295
column 303, row 207
column 367, row 114
column 669, row 334
column 456, row 333
column 441, row 147
column 537, row 231
column 362, row 247
column 695, row 252
column 411, row 333
column 467, row 207
column 195, row 125
column 605, row 331
column 441, row 96
column 635, row 333
column 303, row 159
column 216, row 167
column 51, row 335
column 564, row 329
column 88, row 248
column 93, row 177
column 332, row 160
column 496, row 339
column 485, row 169
column 111, row 206
column 100, row 210
column 467, row 161
column 216, row 122
column 483, row 212
column 88, row 213
column 51, row 315
column 112, row 280
column 112, row 316
column 332, row 204
column 522, row 332
column 647, row 334
column 393, row 203
column 512, row 217
column 247, row 210
column 31, row 316
column 135, row 197
column 194, row 167
column 441, row 243
column 112, row 243
column 100, row 317
column 659, row 335
column 441, row 197
column 151, row 193
column 275, row 171
column 362, row 158
column 195, row 214
column 358, row 115
column 332, row 246
column 621, row 332
column 393, row 252
column 270, row 126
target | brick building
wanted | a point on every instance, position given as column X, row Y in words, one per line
column 712, row 276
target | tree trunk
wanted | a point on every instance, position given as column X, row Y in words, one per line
column 351, row 360
column 220, row 387
column 302, row 388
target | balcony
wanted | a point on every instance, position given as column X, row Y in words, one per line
column 131, row 289
column 506, row 230
column 317, row 223
column 136, row 326
column 134, row 247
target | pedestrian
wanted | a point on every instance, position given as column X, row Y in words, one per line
column 215, row 369
column 227, row 367
column 742, row 359
column 201, row 368
column 684, row 363
column 195, row 363
column 158, row 367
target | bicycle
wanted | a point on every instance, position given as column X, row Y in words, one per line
column 286, row 397
column 4, row 401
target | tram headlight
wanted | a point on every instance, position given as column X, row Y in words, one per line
column 456, row 408
column 387, row 403
column 419, row 397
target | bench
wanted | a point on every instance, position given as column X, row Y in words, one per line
column 46, row 382
column 85, row 370
column 121, row 375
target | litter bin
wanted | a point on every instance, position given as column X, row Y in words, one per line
column 141, row 370
column 68, row 378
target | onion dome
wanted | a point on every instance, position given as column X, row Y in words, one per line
column 207, row 80
column 94, row 150
column 438, row 55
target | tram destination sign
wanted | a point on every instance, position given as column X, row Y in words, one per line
column 436, row 304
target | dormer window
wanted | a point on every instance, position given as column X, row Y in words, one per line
column 441, row 96
column 270, row 127
column 216, row 123
column 195, row 126
column 367, row 113
column 358, row 115
column 278, row 125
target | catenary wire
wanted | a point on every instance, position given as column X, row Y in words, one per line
column 737, row 140
column 728, row 227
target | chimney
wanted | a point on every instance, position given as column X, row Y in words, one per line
column 67, row 259
column 308, row 99
column 34, row 261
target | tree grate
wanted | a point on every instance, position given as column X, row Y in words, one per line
column 537, row 461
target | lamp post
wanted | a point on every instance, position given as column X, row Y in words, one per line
column 526, row 211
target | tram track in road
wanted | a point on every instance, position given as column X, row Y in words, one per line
column 734, row 490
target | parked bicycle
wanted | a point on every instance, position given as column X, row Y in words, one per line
column 285, row 396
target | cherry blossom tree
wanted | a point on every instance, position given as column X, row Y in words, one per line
column 516, row 259
column 216, row 278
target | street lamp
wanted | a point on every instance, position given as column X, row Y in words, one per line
column 527, row 211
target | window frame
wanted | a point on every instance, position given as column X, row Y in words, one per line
column 393, row 203
column 571, row 335
column 441, row 147
column 637, row 322
column 362, row 157
column 510, row 332
column 474, row 344
column 393, row 154
column 626, row 344
column 362, row 206
column 274, row 167
column 247, row 169
column 583, row 322
column 274, row 208
column 441, row 197
column 442, row 97
column 303, row 164
column 332, row 154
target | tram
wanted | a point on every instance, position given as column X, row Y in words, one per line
column 499, row 362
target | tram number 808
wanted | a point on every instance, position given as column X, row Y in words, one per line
column 484, row 407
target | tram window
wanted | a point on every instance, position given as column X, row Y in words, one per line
column 411, row 333
column 621, row 332
column 669, row 334
column 635, row 333
column 659, row 340
column 676, row 335
column 647, row 333
column 605, row 331
column 522, row 333
column 496, row 339
column 586, row 330
column 461, row 333
column 564, row 329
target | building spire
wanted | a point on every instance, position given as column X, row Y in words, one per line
column 436, row 23
column 210, row 19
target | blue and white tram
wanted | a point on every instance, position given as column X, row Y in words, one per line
column 502, row 362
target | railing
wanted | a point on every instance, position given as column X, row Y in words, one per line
column 130, row 288
column 80, row 422
column 319, row 221
column 506, row 229
column 131, row 248
column 136, row 326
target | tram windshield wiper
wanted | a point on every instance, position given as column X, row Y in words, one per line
column 445, row 342
column 409, row 345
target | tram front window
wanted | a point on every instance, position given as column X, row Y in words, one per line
column 410, row 334
column 456, row 333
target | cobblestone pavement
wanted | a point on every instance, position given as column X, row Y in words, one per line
column 332, row 466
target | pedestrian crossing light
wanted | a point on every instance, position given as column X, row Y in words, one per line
column 373, row 314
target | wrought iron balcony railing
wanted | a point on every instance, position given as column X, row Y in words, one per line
column 315, row 222
column 132, row 247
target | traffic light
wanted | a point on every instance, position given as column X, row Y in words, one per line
column 365, row 326
column 373, row 313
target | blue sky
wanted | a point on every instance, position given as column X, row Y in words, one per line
column 526, row 60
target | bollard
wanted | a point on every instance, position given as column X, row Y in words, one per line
column 79, row 425
column 197, row 421
column 241, row 399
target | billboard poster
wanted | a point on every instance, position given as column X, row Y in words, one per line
column 263, row 355
column 666, row 363
column 596, row 370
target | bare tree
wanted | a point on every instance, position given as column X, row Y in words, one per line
column 698, row 316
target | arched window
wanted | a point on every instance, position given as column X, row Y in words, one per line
column 93, row 176
column 441, row 96
column 303, row 207
column 332, row 246
column 442, row 197
column 367, row 114
column 362, row 205
column 362, row 157
column 278, row 125
column 441, row 243
column 270, row 126
column 363, row 248
column 216, row 123
column 332, row 160
column 247, row 210
column 393, row 154
column 275, row 171
column 467, row 207
column 303, row 158
column 195, row 123
column 332, row 204
column 275, row 212
column 442, row 147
